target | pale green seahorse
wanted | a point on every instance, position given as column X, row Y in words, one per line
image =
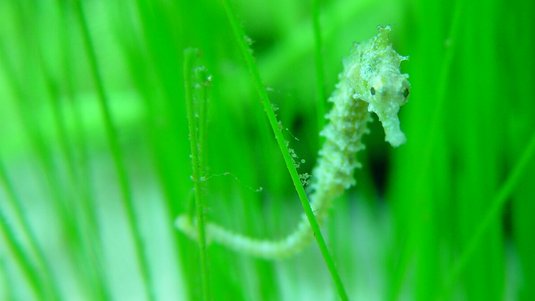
column 371, row 81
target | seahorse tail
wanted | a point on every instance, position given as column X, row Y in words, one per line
column 267, row 249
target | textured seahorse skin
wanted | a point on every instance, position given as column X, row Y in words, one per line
column 370, row 82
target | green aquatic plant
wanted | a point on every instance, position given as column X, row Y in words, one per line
column 371, row 81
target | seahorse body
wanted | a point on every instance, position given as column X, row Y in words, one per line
column 370, row 82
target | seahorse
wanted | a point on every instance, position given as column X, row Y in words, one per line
column 371, row 81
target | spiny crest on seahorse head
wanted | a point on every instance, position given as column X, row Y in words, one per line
column 370, row 82
column 378, row 81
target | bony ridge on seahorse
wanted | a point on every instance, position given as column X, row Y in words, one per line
column 371, row 81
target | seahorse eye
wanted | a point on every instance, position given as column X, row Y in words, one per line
column 372, row 90
column 406, row 92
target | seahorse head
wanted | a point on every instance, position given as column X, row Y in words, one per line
column 383, row 86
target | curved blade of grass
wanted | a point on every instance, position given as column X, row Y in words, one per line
column 23, row 259
column 239, row 35
column 116, row 152
column 493, row 213
column 165, row 149
column 320, row 87
column 29, row 271
column 196, row 146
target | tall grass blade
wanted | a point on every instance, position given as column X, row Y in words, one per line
column 318, row 58
column 239, row 36
column 117, row 155
column 42, row 262
column 196, row 143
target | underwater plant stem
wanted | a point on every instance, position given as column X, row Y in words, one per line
column 30, row 271
column 195, row 136
column 42, row 263
column 21, row 257
column 318, row 51
column 239, row 35
column 112, row 137
column 79, row 170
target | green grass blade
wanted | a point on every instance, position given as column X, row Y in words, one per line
column 431, row 134
column 20, row 215
column 437, row 116
column 195, row 137
column 239, row 35
column 77, row 157
column 116, row 152
column 87, row 236
column 29, row 271
column 38, row 144
column 318, row 57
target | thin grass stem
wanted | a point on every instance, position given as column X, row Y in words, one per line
column 21, row 216
column 78, row 169
column 196, row 146
column 318, row 57
column 431, row 134
column 30, row 272
column 239, row 35
column 117, row 155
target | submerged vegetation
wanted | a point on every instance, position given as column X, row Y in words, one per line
column 118, row 116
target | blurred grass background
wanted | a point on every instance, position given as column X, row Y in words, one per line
column 95, row 156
